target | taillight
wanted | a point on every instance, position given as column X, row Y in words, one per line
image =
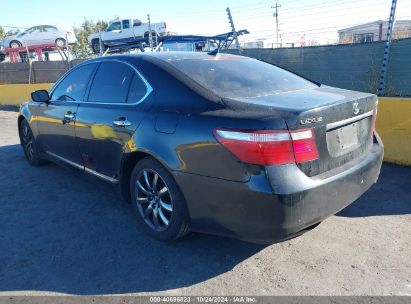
column 374, row 119
column 269, row 147
column 304, row 145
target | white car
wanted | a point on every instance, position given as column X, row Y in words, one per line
column 40, row 34
column 125, row 31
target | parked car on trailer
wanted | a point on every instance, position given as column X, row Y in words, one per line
column 40, row 34
column 212, row 143
column 125, row 31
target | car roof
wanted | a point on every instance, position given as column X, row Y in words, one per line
column 177, row 56
column 42, row 25
column 170, row 56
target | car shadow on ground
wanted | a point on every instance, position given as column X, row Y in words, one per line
column 391, row 195
column 62, row 231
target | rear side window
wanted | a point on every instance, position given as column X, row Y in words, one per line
column 74, row 85
column 126, row 24
column 50, row 29
column 111, row 83
column 137, row 89
column 238, row 77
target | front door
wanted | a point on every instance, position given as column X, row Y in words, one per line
column 105, row 124
column 33, row 36
column 56, row 120
column 112, row 32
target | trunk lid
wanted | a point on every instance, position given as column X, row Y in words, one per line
column 342, row 121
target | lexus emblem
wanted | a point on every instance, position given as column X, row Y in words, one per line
column 355, row 108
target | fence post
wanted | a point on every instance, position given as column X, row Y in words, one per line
column 383, row 75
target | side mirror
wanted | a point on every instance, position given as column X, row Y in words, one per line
column 40, row 96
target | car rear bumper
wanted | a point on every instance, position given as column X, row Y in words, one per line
column 277, row 203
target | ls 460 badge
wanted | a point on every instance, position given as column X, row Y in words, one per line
column 311, row 120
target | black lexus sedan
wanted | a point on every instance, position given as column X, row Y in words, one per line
column 219, row 144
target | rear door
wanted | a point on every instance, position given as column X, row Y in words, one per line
column 56, row 119
column 127, row 30
column 50, row 34
column 118, row 99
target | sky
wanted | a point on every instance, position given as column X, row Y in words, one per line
column 313, row 19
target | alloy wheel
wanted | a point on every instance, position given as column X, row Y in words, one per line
column 14, row 44
column 154, row 201
column 27, row 139
column 60, row 42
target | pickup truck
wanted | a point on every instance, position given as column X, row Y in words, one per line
column 125, row 31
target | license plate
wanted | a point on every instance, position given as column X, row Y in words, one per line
column 347, row 136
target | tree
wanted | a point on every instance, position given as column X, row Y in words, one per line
column 3, row 33
column 11, row 32
column 313, row 42
column 83, row 50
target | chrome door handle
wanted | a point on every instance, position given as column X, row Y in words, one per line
column 68, row 117
column 121, row 122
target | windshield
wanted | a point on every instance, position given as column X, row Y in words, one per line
column 236, row 77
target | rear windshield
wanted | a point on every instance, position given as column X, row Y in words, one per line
column 241, row 77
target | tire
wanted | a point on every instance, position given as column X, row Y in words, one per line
column 60, row 42
column 28, row 143
column 153, row 37
column 95, row 45
column 163, row 197
column 15, row 44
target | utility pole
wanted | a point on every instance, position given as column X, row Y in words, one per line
column 230, row 19
column 275, row 15
column 150, row 36
column 383, row 75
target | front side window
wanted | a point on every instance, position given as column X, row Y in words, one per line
column 136, row 22
column 236, row 77
column 111, row 83
column 115, row 26
column 74, row 85
column 33, row 30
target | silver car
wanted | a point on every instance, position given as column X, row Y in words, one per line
column 40, row 34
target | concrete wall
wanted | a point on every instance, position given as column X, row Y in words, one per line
column 16, row 94
column 352, row 66
column 394, row 126
column 40, row 71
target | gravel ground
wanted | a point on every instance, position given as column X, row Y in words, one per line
column 63, row 232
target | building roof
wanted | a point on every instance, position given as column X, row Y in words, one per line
column 377, row 22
